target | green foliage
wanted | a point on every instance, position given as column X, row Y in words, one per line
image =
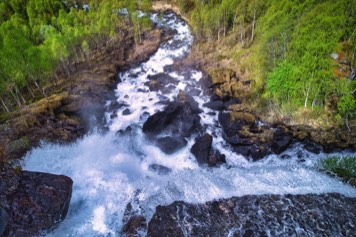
column 292, row 43
column 39, row 37
column 342, row 166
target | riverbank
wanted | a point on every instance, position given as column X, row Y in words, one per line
column 231, row 69
column 76, row 105
column 78, row 100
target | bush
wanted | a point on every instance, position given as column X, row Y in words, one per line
column 341, row 166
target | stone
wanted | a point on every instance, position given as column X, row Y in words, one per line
column 126, row 112
column 179, row 117
column 4, row 219
column 169, row 144
column 201, row 148
column 312, row 147
column 40, row 201
column 160, row 169
column 281, row 140
column 215, row 105
column 258, row 215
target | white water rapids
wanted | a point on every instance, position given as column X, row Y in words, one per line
column 109, row 169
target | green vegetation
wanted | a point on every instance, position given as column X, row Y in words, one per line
column 344, row 167
column 302, row 51
column 39, row 39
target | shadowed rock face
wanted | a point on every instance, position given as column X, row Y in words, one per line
column 266, row 215
column 39, row 202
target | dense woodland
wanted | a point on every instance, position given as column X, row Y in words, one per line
column 39, row 39
column 304, row 50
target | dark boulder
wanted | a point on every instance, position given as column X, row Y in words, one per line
column 201, row 148
column 229, row 127
column 216, row 158
column 126, row 112
column 133, row 219
column 258, row 152
column 232, row 102
column 39, row 202
column 179, row 117
column 160, row 169
column 4, row 219
column 312, row 147
column 264, row 215
column 215, row 105
column 169, row 144
column 281, row 140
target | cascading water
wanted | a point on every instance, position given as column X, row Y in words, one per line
column 111, row 169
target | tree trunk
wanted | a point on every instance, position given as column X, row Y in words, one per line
column 253, row 23
column 17, row 100
column 30, row 90
column 4, row 105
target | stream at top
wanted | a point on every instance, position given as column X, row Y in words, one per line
column 109, row 170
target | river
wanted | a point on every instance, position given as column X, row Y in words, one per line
column 109, row 169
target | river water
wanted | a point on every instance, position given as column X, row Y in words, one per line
column 110, row 170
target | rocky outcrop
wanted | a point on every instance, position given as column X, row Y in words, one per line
column 204, row 152
column 135, row 224
column 265, row 215
column 169, row 144
column 180, row 118
column 79, row 98
column 35, row 202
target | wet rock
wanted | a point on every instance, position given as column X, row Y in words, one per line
column 126, row 131
column 230, row 128
column 179, row 117
column 232, row 102
column 134, row 226
column 18, row 146
column 215, row 105
column 258, row 152
column 133, row 219
column 265, row 215
column 285, row 157
column 281, row 140
column 126, row 112
column 169, row 144
column 160, row 169
column 4, row 219
column 39, row 202
column 216, row 158
column 312, row 147
column 201, row 148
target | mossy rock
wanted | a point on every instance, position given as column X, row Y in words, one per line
column 246, row 117
column 222, row 75
column 18, row 146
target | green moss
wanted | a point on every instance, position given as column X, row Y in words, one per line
column 341, row 166
column 19, row 145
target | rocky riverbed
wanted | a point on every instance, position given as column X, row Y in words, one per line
column 166, row 125
column 32, row 202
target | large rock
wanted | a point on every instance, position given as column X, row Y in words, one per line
column 39, row 202
column 281, row 140
column 179, row 117
column 4, row 219
column 133, row 219
column 201, row 148
column 265, row 215
column 169, row 144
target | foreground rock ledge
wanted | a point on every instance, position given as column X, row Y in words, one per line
column 39, row 202
column 267, row 215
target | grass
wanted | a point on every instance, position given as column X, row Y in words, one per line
column 341, row 166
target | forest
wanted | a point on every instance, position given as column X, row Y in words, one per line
column 40, row 39
column 303, row 51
